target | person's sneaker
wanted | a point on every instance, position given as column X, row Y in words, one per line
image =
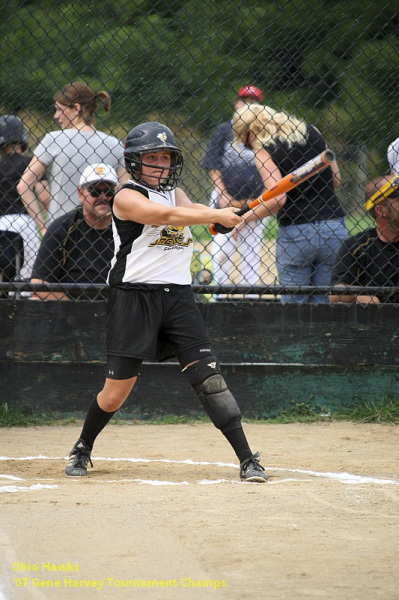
column 78, row 459
column 251, row 470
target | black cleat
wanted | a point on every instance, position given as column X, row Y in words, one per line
column 78, row 459
column 251, row 470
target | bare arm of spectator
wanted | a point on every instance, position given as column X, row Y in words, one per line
column 335, row 169
column 358, row 298
column 47, row 295
column 224, row 197
column 43, row 193
column 336, row 174
column 26, row 189
column 270, row 176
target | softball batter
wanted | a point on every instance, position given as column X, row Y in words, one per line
column 152, row 313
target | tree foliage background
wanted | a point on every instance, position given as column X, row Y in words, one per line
column 332, row 62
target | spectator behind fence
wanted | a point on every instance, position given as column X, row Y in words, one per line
column 236, row 181
column 371, row 257
column 310, row 217
column 13, row 214
column 78, row 247
column 393, row 157
column 69, row 151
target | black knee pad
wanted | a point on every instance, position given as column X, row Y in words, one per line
column 218, row 401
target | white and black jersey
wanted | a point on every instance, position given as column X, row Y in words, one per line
column 152, row 312
column 150, row 254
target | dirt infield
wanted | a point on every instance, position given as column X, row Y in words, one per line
column 163, row 515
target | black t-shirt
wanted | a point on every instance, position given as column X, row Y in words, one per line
column 12, row 167
column 73, row 252
column 315, row 199
column 367, row 261
column 239, row 173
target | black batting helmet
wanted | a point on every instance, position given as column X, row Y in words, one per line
column 150, row 137
column 12, row 131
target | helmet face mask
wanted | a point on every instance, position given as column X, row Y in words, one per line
column 147, row 138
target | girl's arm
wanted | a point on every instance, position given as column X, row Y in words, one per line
column 30, row 178
column 132, row 206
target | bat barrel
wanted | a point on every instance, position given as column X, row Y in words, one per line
column 329, row 156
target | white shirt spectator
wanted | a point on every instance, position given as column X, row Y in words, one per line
column 393, row 157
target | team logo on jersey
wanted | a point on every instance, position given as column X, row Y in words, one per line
column 172, row 236
column 162, row 136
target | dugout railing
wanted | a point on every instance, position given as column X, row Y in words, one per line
column 203, row 293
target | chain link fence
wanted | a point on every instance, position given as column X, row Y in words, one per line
column 328, row 75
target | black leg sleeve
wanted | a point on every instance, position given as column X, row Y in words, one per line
column 95, row 421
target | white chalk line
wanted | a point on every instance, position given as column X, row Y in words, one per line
column 341, row 477
column 21, row 488
column 345, row 478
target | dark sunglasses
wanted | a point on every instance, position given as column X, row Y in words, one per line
column 96, row 192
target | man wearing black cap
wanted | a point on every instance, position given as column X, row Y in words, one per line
column 371, row 258
column 236, row 181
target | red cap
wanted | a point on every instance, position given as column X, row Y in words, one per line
column 250, row 91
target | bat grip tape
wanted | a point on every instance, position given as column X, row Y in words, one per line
column 219, row 228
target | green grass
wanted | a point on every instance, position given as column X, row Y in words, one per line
column 178, row 419
column 17, row 417
column 12, row 417
column 384, row 412
column 161, row 420
column 365, row 411
column 301, row 412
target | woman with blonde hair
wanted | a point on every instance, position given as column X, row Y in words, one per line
column 69, row 151
column 310, row 217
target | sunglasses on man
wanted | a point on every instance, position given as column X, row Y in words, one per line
column 95, row 192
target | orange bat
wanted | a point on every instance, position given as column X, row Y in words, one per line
column 287, row 183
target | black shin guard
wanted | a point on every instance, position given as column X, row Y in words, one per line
column 218, row 401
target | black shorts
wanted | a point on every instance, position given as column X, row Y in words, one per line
column 154, row 323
